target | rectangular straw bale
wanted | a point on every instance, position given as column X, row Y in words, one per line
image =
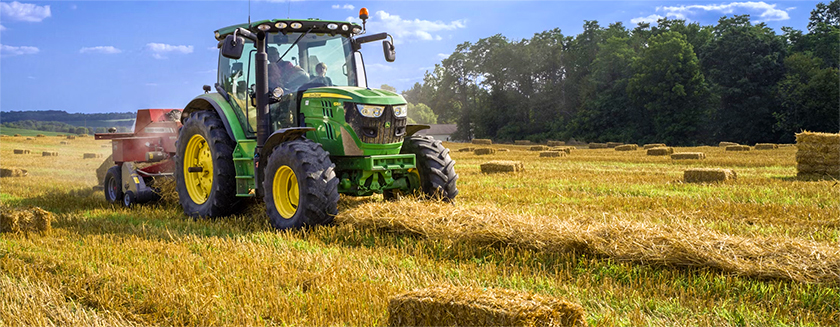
column 567, row 150
column 15, row 220
column 597, row 145
column 522, row 142
column 3, row 135
column 660, row 151
column 613, row 144
column 17, row 135
column 502, row 150
column 818, row 154
column 49, row 154
column 655, row 145
column 22, row 151
column 627, row 147
column 726, row 144
column 688, row 155
column 484, row 151
column 482, row 141
column 539, row 148
column 551, row 154
column 702, row 175
column 459, row 306
column 13, row 172
column 738, row 148
column 29, row 139
column 502, row 166
column 466, row 149
column 71, row 137
column 91, row 156
column 555, row 143
column 40, row 135
column 766, row 146
column 65, row 142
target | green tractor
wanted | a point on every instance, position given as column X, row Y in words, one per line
column 294, row 122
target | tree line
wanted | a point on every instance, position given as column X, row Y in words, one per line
column 675, row 82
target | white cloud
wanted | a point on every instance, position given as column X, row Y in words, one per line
column 347, row 6
column 336, row 6
column 409, row 29
column 100, row 49
column 649, row 19
column 160, row 49
column 24, row 12
column 8, row 50
column 442, row 56
column 766, row 12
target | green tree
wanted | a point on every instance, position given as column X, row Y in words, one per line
column 421, row 114
column 387, row 87
column 669, row 85
column 809, row 97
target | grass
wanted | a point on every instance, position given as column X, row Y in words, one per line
column 28, row 132
column 105, row 265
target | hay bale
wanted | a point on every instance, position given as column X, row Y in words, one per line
column 613, row 144
column 71, row 137
column 29, row 139
column 726, row 144
column 817, row 154
column 91, row 156
column 738, row 148
column 13, row 172
column 65, row 142
column 103, row 169
column 60, row 135
column 627, row 147
column 552, row 154
column 49, row 154
column 17, row 135
column 522, row 142
column 460, row 306
column 482, row 141
column 502, row 166
column 688, row 155
column 703, row 175
column 766, row 146
column 105, row 146
column 502, row 150
column 555, row 143
column 661, row 151
column 21, row 151
column 655, row 145
column 539, row 148
column 3, row 135
column 40, row 135
column 483, row 151
column 466, row 149
column 567, row 150
column 13, row 220
column 83, row 135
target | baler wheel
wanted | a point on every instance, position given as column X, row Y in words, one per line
column 113, row 185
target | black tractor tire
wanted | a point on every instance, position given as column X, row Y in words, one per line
column 435, row 167
column 317, row 184
column 221, row 200
column 129, row 199
column 112, row 185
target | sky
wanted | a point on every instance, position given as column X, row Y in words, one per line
column 120, row 56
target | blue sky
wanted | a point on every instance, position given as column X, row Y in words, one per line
column 118, row 56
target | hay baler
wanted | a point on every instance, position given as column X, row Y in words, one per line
column 138, row 157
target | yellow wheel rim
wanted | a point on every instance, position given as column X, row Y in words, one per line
column 286, row 192
column 197, row 154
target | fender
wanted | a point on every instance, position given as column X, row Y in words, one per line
column 411, row 129
column 279, row 136
column 215, row 101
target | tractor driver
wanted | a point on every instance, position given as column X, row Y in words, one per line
column 276, row 68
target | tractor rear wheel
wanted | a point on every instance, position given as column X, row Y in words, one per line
column 300, row 187
column 435, row 168
column 204, row 171
column 112, row 184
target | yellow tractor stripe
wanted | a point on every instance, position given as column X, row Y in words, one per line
column 326, row 95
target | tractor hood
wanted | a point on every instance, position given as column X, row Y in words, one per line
column 356, row 94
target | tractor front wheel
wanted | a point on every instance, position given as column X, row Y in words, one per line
column 435, row 168
column 205, row 177
column 300, row 186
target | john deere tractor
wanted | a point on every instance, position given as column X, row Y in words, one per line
column 294, row 122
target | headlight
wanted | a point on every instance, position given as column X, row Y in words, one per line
column 264, row 27
column 296, row 25
column 400, row 111
column 280, row 25
column 370, row 111
column 332, row 26
column 277, row 92
column 357, row 30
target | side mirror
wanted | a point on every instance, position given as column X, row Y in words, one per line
column 388, row 48
column 232, row 47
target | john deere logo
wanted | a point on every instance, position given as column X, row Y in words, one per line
column 387, row 124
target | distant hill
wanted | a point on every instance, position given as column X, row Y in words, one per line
column 25, row 132
column 62, row 121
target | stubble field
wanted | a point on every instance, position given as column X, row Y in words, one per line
column 617, row 232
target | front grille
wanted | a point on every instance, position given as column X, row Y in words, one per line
column 374, row 130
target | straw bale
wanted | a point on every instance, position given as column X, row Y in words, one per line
column 71, row 137
column 703, row 175
column 3, row 135
column 655, row 145
column 662, row 151
column 65, row 142
column 29, row 139
column 522, row 142
column 482, row 141
column 484, row 151
column 13, row 172
column 726, row 144
column 21, row 151
column 17, row 135
column 567, row 150
column 818, row 154
column 502, row 166
column 83, row 135
column 40, row 135
column 555, row 143
column 784, row 145
column 738, row 148
column 49, row 154
column 627, row 147
column 766, row 146
column 539, row 148
column 91, row 156
column 613, row 144
column 466, row 149
column 106, row 146
column 502, row 150
column 552, row 154
column 103, row 169
column 16, row 220
column 688, row 155
column 461, row 306
column 597, row 145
